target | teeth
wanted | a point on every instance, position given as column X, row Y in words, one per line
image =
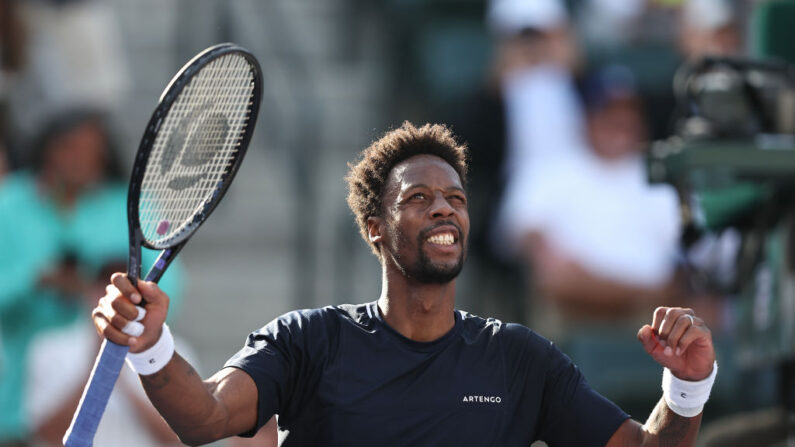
column 442, row 239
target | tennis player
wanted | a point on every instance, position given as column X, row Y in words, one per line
column 408, row 368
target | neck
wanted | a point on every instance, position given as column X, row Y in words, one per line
column 420, row 312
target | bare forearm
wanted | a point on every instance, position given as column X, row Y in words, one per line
column 583, row 294
column 186, row 402
column 151, row 420
column 663, row 429
column 667, row 429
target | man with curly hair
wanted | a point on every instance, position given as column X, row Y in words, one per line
column 408, row 368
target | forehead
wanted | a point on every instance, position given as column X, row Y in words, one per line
column 423, row 169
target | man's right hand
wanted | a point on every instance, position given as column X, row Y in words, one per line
column 118, row 307
column 199, row 411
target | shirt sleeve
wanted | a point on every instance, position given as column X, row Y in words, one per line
column 285, row 360
column 573, row 413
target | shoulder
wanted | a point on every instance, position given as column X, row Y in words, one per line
column 315, row 321
column 355, row 312
column 522, row 342
column 513, row 336
column 299, row 334
column 360, row 314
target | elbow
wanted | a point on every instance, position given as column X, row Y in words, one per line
column 200, row 430
column 193, row 437
column 190, row 442
column 193, row 440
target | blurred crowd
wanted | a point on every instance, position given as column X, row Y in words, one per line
column 63, row 220
column 558, row 108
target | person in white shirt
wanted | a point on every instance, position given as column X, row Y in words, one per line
column 601, row 243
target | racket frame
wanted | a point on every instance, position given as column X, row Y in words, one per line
column 174, row 244
column 111, row 357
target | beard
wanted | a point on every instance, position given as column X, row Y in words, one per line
column 424, row 270
column 428, row 272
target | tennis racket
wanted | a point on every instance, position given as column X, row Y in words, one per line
column 189, row 154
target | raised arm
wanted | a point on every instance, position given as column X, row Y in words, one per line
column 198, row 411
column 682, row 343
column 581, row 293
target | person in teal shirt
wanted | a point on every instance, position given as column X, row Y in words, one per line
column 59, row 223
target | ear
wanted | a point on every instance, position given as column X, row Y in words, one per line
column 374, row 229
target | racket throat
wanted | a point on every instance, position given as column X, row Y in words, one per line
column 163, row 261
column 134, row 261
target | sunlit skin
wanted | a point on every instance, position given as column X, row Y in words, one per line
column 421, row 237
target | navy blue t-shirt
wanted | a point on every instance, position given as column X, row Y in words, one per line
column 340, row 376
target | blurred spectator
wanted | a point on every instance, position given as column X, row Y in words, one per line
column 12, row 38
column 607, row 23
column 600, row 241
column 12, row 51
column 708, row 28
column 4, row 160
column 68, row 353
column 60, row 221
column 532, row 33
column 526, row 111
column 72, row 54
column 534, row 66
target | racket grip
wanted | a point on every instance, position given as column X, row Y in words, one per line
column 95, row 395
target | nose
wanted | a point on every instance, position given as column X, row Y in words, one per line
column 441, row 207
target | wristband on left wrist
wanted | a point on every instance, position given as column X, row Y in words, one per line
column 687, row 398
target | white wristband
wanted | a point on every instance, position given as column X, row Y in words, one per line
column 155, row 358
column 684, row 397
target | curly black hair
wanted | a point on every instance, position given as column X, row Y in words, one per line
column 367, row 178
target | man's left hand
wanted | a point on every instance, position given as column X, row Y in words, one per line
column 680, row 341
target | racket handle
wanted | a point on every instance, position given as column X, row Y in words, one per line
column 95, row 395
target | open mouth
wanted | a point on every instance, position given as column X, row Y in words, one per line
column 445, row 238
column 443, row 235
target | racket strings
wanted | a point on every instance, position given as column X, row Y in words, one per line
column 195, row 147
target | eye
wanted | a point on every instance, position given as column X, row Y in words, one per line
column 457, row 198
column 417, row 196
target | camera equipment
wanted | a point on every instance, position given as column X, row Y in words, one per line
column 732, row 160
